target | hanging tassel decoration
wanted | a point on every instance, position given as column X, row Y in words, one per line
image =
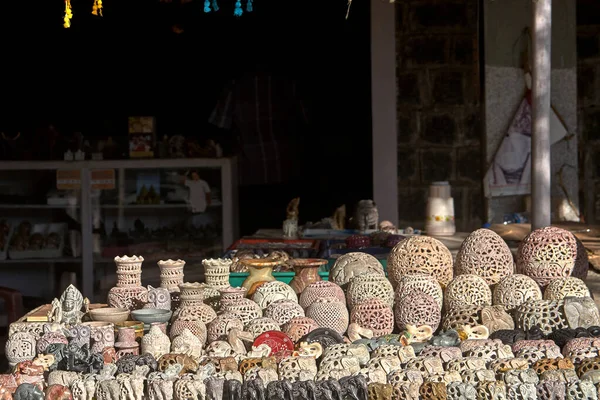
column 206, row 6
column 238, row 9
column 97, row 8
column 68, row 14
column 249, row 7
column 348, row 10
column 215, row 5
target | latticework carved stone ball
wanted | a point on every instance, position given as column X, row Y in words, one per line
column 546, row 254
column 420, row 255
column 353, row 264
column 320, row 289
column 582, row 264
column 374, row 314
column 420, row 282
column 465, row 290
column 545, row 314
column 515, row 290
column 560, row 288
column 456, row 317
column 486, row 254
column 369, row 286
column 418, row 308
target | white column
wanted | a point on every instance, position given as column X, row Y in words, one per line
column 540, row 140
column 383, row 100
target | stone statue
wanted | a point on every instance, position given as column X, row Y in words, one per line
column 72, row 303
column 367, row 216
column 290, row 225
column 55, row 314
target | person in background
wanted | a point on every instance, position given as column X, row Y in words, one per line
column 263, row 111
column 199, row 198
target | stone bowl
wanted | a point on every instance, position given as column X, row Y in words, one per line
column 150, row 315
column 109, row 314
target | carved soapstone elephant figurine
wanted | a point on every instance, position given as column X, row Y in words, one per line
column 581, row 312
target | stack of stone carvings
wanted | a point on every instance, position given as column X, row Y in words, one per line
column 470, row 329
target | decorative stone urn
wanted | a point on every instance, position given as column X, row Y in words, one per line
column 216, row 272
column 192, row 314
column 307, row 272
column 171, row 276
column 129, row 292
column 261, row 270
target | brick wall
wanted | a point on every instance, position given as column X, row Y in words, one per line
column 588, row 104
column 439, row 114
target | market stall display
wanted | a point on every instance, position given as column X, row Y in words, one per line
column 439, row 332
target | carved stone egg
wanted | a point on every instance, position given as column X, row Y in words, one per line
column 421, row 282
column 465, row 290
column 515, row 290
column 569, row 286
column 354, row 264
column 418, row 308
column 546, row 254
column 420, row 255
column 486, row 254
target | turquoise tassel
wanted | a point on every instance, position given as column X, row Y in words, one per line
column 215, row 5
column 249, row 6
column 238, row 9
column 206, row 6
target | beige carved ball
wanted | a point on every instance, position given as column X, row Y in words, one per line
column 546, row 254
column 420, row 282
column 568, row 286
column 465, row 290
column 369, row 286
column 349, row 265
column 486, row 254
column 420, row 255
column 418, row 308
column 515, row 290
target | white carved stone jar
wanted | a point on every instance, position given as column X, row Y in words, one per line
column 216, row 272
column 129, row 292
column 102, row 335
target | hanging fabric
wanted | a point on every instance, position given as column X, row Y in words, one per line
column 206, row 6
column 68, row 14
column 215, row 5
column 249, row 7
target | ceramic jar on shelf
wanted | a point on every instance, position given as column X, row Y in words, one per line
column 129, row 292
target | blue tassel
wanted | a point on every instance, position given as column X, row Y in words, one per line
column 206, row 6
column 215, row 6
column 238, row 9
column 249, row 6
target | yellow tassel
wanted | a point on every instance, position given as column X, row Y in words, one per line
column 68, row 14
column 97, row 7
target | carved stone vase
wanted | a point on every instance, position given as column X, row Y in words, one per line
column 102, row 335
column 216, row 272
column 193, row 313
column 261, row 270
column 171, row 276
column 126, row 343
column 129, row 292
column 233, row 300
column 307, row 272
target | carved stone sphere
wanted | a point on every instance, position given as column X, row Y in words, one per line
column 420, row 255
column 418, row 308
column 465, row 290
column 486, row 254
column 515, row 290
column 421, row 282
column 546, row 254
column 353, row 264
column 568, row 286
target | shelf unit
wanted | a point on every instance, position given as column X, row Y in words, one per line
column 85, row 206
